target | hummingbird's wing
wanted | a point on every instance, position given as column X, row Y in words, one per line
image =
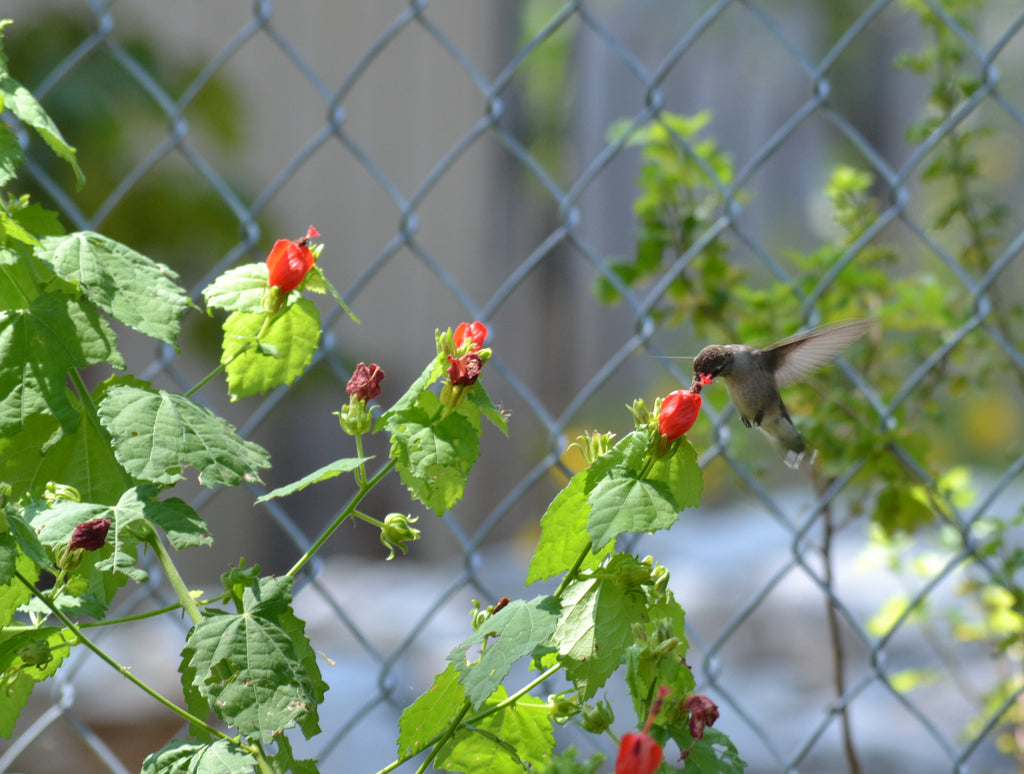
column 795, row 357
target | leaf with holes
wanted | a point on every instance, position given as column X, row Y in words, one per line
column 181, row 757
column 595, row 629
column 132, row 288
column 256, row 668
column 434, row 451
column 158, row 434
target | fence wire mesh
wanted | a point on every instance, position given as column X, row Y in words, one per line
column 455, row 156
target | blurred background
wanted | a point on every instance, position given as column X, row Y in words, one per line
column 459, row 159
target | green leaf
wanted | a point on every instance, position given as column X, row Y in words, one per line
column 681, row 475
column 283, row 762
column 626, row 504
column 563, row 535
column 432, row 713
column 330, row 470
column 184, row 527
column 182, row 757
column 125, row 284
column 11, row 229
column 21, row 103
column 256, row 668
column 28, row 541
column 433, row 451
column 430, row 375
column 316, row 282
column 507, row 636
column 157, row 434
column 509, row 741
column 478, row 397
column 293, row 335
column 38, row 346
column 41, row 452
column 11, row 156
column 713, row 754
column 240, row 289
column 595, row 629
column 22, row 677
column 14, row 593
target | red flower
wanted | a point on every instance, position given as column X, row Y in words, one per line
column 703, row 712
column 476, row 332
column 365, row 382
column 464, row 370
column 289, row 261
column 90, row 535
column 679, row 410
column 638, row 754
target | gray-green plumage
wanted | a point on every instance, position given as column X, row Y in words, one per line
column 753, row 377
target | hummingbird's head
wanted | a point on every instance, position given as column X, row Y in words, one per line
column 712, row 361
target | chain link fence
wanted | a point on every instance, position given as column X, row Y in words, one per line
column 456, row 157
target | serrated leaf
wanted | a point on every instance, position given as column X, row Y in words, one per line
column 681, row 474
column 478, row 397
column 595, row 629
column 563, row 535
column 23, row 677
column 82, row 459
column 11, row 229
column 21, row 103
column 431, row 713
column 240, row 289
column 329, row 470
column 628, row 457
column 293, row 334
column 14, row 593
column 127, row 285
column 509, row 741
column 433, row 451
column 429, row 375
column 625, row 504
column 713, row 754
column 38, row 346
column 183, row 526
column 506, row 637
column 256, row 668
column 182, row 757
column 157, row 434
column 11, row 156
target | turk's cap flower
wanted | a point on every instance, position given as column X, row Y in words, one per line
column 90, row 535
column 365, row 382
column 638, row 754
column 465, row 370
column 703, row 712
column 475, row 333
column 679, row 410
column 289, row 261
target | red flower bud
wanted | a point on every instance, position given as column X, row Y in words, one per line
column 365, row 382
column 638, row 754
column 703, row 712
column 90, row 535
column 289, row 261
column 464, row 370
column 476, row 332
column 679, row 410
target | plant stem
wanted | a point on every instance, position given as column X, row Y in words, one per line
column 835, row 635
column 124, row 670
column 238, row 353
column 184, row 596
column 346, row 512
column 571, row 575
column 445, row 737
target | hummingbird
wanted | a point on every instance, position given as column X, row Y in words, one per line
column 753, row 377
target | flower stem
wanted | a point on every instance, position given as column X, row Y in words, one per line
column 238, row 353
column 124, row 670
column 349, row 509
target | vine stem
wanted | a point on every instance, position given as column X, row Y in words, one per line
column 123, row 670
column 174, row 577
column 346, row 512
